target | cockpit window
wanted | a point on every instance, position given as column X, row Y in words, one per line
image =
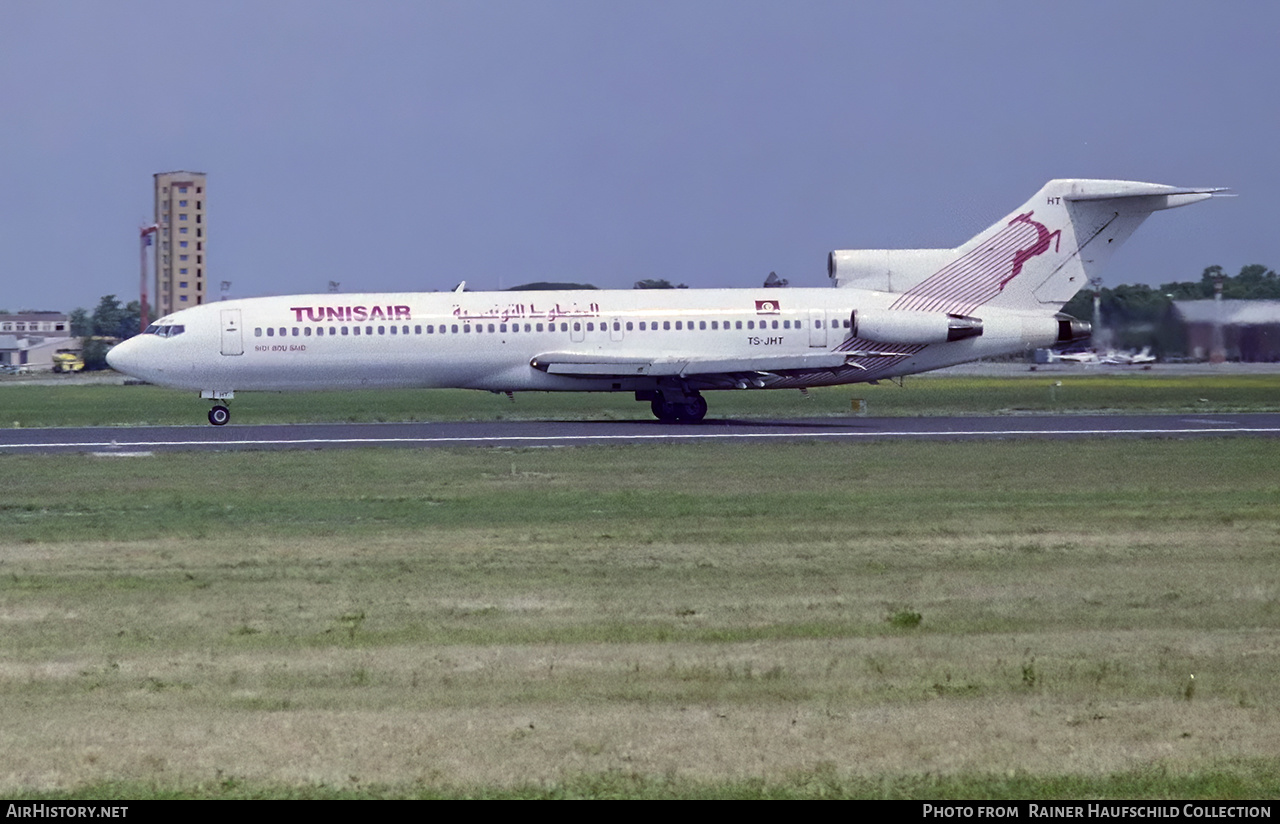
column 166, row 331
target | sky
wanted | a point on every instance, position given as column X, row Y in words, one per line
column 397, row 145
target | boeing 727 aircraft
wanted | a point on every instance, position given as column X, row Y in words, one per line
column 891, row 313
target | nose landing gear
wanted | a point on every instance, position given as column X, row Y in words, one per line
column 219, row 414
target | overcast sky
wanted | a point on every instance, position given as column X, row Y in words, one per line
column 410, row 145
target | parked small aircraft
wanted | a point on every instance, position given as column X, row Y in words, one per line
column 1129, row 358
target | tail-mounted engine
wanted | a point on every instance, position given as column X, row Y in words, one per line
column 1071, row 330
column 900, row 326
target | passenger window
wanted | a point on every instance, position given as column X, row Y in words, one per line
column 257, row 332
column 306, row 331
column 283, row 331
column 491, row 327
column 786, row 324
column 738, row 324
column 344, row 330
column 393, row 330
column 333, row 330
column 617, row 327
column 368, row 330
column 666, row 325
column 775, row 324
column 751, row 324
column 577, row 327
column 295, row 331
column 319, row 331
column 539, row 327
column 355, row 330
column 628, row 326
column 454, row 328
column 382, row 330
column 271, row 332
column 846, row 324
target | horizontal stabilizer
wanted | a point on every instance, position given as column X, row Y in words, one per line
column 1146, row 197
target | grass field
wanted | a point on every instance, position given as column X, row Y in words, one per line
column 22, row 404
column 1008, row 619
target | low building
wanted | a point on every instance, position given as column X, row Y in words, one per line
column 52, row 324
column 1249, row 329
column 31, row 339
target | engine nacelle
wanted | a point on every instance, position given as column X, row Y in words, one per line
column 900, row 326
column 1071, row 330
column 885, row 270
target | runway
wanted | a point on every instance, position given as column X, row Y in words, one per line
column 152, row 439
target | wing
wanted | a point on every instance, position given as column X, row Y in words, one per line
column 686, row 366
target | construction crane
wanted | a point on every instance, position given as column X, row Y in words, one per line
column 144, row 240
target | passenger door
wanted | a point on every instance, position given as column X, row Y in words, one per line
column 232, row 340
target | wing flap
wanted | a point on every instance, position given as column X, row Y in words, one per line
column 683, row 366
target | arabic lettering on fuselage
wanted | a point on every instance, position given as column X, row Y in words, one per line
column 525, row 311
column 514, row 311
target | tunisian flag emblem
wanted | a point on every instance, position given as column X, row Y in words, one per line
column 767, row 307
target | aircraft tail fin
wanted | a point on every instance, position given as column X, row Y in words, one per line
column 1037, row 257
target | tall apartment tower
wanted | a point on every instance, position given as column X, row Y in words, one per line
column 181, row 242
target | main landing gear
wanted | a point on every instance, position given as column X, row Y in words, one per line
column 219, row 415
column 691, row 410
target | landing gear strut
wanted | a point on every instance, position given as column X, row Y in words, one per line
column 219, row 415
column 691, row 410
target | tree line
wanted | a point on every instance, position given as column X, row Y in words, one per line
column 110, row 322
column 1137, row 315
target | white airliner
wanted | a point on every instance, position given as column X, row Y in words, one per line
column 892, row 313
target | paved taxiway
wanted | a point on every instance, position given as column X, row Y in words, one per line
column 127, row 440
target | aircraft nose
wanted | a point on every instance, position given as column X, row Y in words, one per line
column 123, row 357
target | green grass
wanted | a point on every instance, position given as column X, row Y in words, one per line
column 944, row 620
column 1244, row 781
column 107, row 405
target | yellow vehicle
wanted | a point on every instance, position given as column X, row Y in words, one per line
column 67, row 360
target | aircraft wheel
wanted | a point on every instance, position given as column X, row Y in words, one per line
column 665, row 411
column 219, row 415
column 695, row 410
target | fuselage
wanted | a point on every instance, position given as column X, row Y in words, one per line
column 492, row 340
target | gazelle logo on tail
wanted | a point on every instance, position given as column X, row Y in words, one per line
column 980, row 274
column 1038, row 248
